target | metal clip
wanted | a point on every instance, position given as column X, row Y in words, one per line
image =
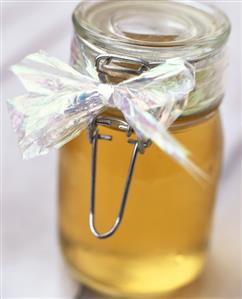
column 115, row 65
column 139, row 146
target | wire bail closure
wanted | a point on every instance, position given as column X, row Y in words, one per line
column 114, row 65
column 139, row 147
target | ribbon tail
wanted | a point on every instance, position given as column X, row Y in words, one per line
column 146, row 125
column 42, row 122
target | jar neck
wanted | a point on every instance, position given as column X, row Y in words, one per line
column 209, row 72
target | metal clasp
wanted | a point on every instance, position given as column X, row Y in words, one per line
column 139, row 146
column 114, row 65
column 107, row 64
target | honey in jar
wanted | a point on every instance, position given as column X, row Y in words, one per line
column 162, row 242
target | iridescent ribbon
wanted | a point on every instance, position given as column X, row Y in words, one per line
column 61, row 102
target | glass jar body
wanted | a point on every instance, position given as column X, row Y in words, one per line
column 161, row 244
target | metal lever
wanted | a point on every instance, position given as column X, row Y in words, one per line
column 106, row 65
column 95, row 138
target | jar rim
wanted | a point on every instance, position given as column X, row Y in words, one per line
column 206, row 41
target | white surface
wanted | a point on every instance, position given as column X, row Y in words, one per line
column 32, row 264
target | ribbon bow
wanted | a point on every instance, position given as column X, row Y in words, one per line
column 61, row 102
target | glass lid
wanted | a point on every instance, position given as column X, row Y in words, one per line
column 152, row 24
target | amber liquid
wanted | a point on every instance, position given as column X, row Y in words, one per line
column 161, row 244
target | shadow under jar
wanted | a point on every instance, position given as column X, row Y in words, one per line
column 162, row 242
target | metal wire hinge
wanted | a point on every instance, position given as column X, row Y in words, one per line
column 139, row 147
column 115, row 65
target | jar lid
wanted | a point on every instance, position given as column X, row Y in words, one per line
column 153, row 29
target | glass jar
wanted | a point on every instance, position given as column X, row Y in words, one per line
column 162, row 242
